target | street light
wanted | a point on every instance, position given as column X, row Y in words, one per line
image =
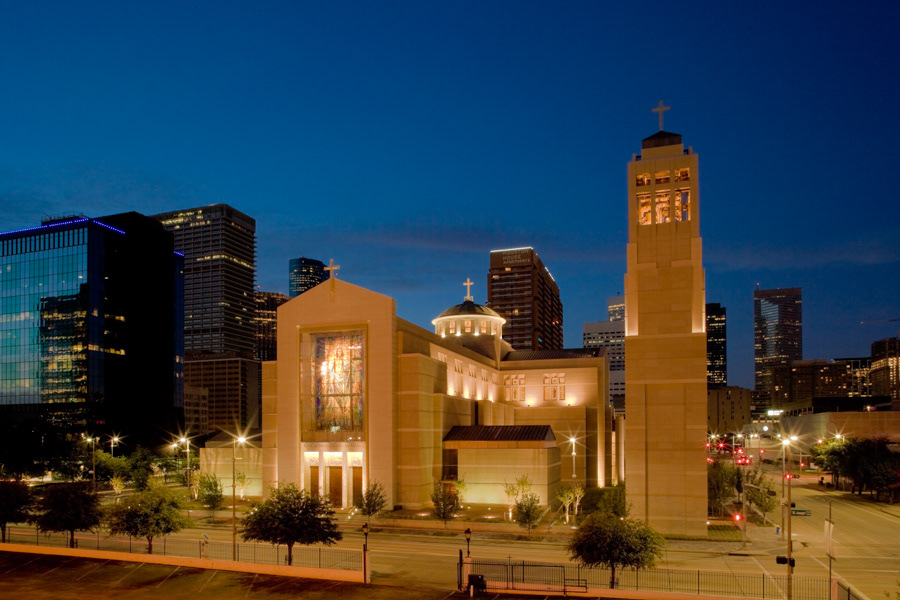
column 785, row 445
column 571, row 439
column 93, row 441
column 112, row 446
column 187, row 460
column 365, row 530
column 237, row 440
column 468, row 533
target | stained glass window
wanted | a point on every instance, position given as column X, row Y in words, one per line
column 339, row 382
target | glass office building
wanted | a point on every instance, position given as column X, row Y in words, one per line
column 91, row 326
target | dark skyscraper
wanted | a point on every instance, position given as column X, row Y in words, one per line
column 303, row 274
column 219, row 246
column 778, row 334
column 267, row 304
column 522, row 291
column 716, row 350
column 91, row 327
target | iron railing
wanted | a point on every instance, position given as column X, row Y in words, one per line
column 302, row 556
column 525, row 575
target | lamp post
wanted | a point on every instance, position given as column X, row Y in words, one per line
column 93, row 441
column 365, row 530
column 574, row 475
column 113, row 442
column 187, row 460
column 234, row 443
column 468, row 533
column 785, row 444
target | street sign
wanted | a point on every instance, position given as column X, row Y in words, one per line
column 797, row 512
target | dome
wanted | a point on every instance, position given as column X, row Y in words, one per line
column 468, row 308
column 469, row 319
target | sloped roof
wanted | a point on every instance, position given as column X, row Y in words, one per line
column 661, row 138
column 468, row 308
column 551, row 354
column 500, row 433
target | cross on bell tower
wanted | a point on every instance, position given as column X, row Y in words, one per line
column 469, row 283
column 661, row 109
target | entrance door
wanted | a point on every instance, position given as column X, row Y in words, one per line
column 336, row 487
column 313, row 480
column 357, row 486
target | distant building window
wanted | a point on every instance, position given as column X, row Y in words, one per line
column 662, row 177
column 683, row 174
column 642, row 179
column 644, row 214
column 662, row 207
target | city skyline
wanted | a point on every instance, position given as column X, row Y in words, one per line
column 407, row 142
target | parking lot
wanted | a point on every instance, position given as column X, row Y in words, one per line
column 39, row 577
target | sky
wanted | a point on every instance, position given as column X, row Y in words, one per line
column 406, row 140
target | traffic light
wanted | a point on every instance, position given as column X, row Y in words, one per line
column 782, row 560
column 762, row 450
column 737, row 518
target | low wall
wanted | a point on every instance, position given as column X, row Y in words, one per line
column 199, row 563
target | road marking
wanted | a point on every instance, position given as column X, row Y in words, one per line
column 250, row 589
column 208, row 580
column 25, row 565
column 89, row 571
column 128, row 573
column 57, row 566
column 167, row 576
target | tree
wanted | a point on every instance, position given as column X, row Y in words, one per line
column 512, row 492
column 578, row 492
column 153, row 512
column 566, row 497
column 459, row 488
column 720, row 487
column 759, row 490
column 15, row 501
column 118, row 485
column 211, row 495
column 373, row 499
column 290, row 516
column 528, row 511
column 445, row 502
column 613, row 501
column 109, row 466
column 241, row 479
column 615, row 542
column 68, row 507
column 140, row 467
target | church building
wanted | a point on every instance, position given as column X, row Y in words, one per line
column 358, row 395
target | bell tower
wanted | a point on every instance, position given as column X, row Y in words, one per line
column 665, row 338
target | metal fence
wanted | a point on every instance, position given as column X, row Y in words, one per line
column 844, row 592
column 524, row 575
column 302, row 556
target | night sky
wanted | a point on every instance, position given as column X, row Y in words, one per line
column 408, row 139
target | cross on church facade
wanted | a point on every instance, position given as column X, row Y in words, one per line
column 662, row 108
column 468, row 283
column 331, row 268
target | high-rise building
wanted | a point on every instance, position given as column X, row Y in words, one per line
column 303, row 274
column 615, row 308
column 522, row 291
column 219, row 246
column 91, row 327
column 267, row 304
column 885, row 373
column 778, row 335
column 610, row 335
column 716, row 350
column 665, row 339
